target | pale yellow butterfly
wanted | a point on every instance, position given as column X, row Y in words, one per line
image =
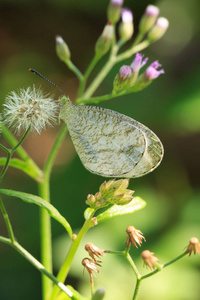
column 111, row 144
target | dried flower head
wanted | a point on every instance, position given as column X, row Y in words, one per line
column 90, row 266
column 93, row 250
column 194, row 246
column 134, row 237
column 149, row 259
column 29, row 108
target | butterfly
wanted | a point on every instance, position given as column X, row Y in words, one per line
column 109, row 143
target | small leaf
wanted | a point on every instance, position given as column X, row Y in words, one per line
column 53, row 212
column 24, row 167
column 117, row 210
column 88, row 213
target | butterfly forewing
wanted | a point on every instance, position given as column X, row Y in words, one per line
column 111, row 144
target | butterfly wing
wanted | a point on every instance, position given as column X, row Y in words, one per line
column 111, row 144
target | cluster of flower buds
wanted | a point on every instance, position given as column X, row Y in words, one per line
column 111, row 192
column 128, row 75
column 152, row 25
column 90, row 264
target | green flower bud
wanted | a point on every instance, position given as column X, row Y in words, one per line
column 126, row 28
column 62, row 49
column 158, row 30
column 122, row 79
column 149, row 18
column 103, row 43
column 114, row 10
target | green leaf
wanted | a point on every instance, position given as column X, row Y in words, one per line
column 23, row 166
column 88, row 213
column 53, row 212
column 117, row 210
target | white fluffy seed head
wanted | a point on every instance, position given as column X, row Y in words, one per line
column 29, row 108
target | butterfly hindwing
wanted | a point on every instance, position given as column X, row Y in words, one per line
column 111, row 144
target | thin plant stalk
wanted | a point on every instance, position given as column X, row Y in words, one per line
column 72, row 251
column 110, row 63
column 45, row 219
column 11, row 151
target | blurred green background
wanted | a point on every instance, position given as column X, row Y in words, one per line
column 170, row 107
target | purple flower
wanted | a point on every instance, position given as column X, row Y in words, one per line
column 125, row 72
column 127, row 16
column 152, row 72
column 138, row 62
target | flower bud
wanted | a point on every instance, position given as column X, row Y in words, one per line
column 121, row 80
column 62, row 49
column 158, row 29
column 114, row 10
column 126, row 28
column 103, row 43
column 149, row 18
column 99, row 294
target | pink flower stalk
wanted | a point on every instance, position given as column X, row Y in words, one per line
column 127, row 16
column 152, row 72
column 138, row 62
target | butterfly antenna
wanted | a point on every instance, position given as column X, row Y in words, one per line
column 37, row 73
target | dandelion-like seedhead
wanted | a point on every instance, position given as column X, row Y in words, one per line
column 29, row 108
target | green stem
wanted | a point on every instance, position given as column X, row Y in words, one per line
column 54, row 151
column 133, row 50
column 22, row 153
column 37, row 265
column 87, row 73
column 136, row 288
column 7, row 221
column 100, row 77
column 133, row 266
column 74, row 69
column 110, row 63
column 72, row 251
column 45, row 234
column 44, row 192
column 10, row 152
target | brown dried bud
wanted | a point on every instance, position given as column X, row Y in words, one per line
column 149, row 259
column 93, row 250
column 134, row 237
column 193, row 246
